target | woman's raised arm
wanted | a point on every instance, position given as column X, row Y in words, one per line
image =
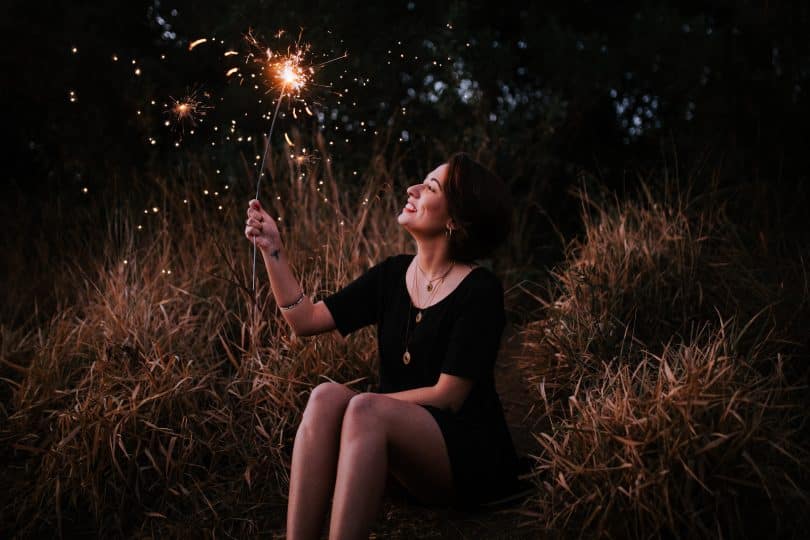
column 304, row 317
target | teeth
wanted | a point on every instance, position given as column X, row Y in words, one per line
column 410, row 207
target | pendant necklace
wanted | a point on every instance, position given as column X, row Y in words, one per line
column 406, row 357
column 430, row 281
column 430, row 287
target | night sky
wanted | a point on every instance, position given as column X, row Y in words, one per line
column 554, row 91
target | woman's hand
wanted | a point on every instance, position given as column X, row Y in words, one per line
column 261, row 229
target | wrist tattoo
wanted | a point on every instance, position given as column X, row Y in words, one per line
column 274, row 254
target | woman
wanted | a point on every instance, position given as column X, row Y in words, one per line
column 436, row 424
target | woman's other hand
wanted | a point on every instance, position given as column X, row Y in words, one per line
column 261, row 228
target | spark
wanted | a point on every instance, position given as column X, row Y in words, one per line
column 231, row 71
column 188, row 109
column 287, row 138
column 196, row 42
column 231, row 53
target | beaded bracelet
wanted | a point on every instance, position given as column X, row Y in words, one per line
column 297, row 301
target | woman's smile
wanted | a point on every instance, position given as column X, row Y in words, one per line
column 425, row 208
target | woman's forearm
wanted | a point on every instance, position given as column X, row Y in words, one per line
column 286, row 288
column 426, row 395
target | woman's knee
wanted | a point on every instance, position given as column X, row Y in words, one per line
column 327, row 400
column 364, row 411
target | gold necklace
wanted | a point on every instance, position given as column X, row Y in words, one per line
column 406, row 356
column 430, row 281
column 432, row 295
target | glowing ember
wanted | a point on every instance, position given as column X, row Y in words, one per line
column 196, row 42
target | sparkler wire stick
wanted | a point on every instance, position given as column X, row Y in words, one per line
column 261, row 173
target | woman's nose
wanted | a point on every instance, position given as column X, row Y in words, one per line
column 413, row 191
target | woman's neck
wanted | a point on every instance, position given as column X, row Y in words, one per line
column 432, row 257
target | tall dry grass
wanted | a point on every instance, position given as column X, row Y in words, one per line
column 671, row 377
column 158, row 401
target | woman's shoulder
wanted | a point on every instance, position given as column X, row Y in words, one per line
column 402, row 257
column 483, row 272
column 483, row 284
column 393, row 260
column 398, row 263
column 392, row 266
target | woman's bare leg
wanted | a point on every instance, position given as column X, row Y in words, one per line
column 314, row 460
column 379, row 433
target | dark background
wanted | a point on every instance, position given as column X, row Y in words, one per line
column 554, row 93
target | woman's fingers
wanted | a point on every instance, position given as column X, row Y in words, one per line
column 260, row 227
column 255, row 207
column 254, row 225
column 255, row 210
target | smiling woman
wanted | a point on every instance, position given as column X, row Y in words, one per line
column 435, row 424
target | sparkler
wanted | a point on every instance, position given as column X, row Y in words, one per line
column 290, row 74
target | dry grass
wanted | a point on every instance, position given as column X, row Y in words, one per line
column 143, row 407
column 693, row 442
column 673, row 404
column 157, row 403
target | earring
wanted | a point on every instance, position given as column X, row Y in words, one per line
column 449, row 233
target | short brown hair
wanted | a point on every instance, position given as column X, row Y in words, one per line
column 480, row 205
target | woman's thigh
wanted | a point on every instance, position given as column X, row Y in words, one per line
column 417, row 455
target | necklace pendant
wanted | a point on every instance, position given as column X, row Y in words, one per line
column 406, row 358
column 418, row 316
column 430, row 287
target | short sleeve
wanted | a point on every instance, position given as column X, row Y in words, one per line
column 359, row 303
column 475, row 336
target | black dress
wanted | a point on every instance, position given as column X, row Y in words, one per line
column 459, row 335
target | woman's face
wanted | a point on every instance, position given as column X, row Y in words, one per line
column 426, row 208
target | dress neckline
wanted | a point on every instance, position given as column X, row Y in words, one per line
column 404, row 282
